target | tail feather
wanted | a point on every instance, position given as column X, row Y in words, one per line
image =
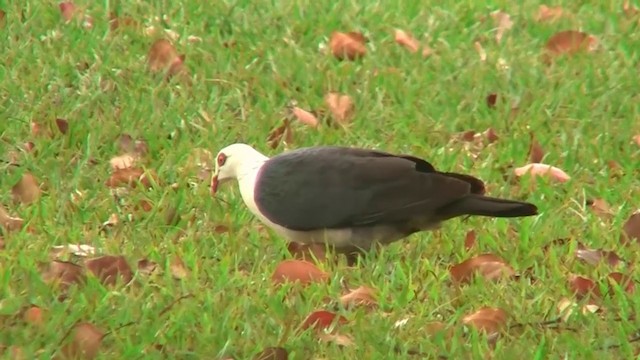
column 487, row 206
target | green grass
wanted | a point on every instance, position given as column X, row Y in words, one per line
column 583, row 110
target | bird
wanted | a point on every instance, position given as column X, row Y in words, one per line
column 353, row 198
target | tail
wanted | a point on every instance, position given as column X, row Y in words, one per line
column 487, row 206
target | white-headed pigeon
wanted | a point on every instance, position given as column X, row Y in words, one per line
column 352, row 198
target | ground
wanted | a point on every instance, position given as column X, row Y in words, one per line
column 72, row 90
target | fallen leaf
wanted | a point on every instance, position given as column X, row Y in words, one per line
column 491, row 100
column 570, row 42
column 566, row 308
column 538, row 169
column 109, row 269
column 350, row 46
column 82, row 250
column 130, row 177
column 480, row 50
column 305, row 117
column 116, row 22
column 536, row 154
column 67, row 10
column 321, row 320
column 122, row 162
column 595, row 256
column 178, row 269
column 272, row 353
column 636, row 139
column 146, row 266
column 582, row 287
column 469, row 240
column 549, row 13
column 631, row 227
column 490, row 266
column 85, row 342
column 9, row 223
column 490, row 135
column 361, row 296
column 503, row 23
column 341, row 107
column 26, row 190
column 163, row 57
column 298, row 271
column 336, row 338
column 221, row 229
column 279, row 133
column 33, row 315
column 63, row 125
column 309, row 252
column 65, row 273
column 405, row 39
column 487, row 319
column 624, row 281
column 600, row 207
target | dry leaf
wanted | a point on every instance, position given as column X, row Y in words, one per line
column 298, row 271
column 322, row 319
column 305, row 117
column 336, row 338
column 162, row 55
column 130, row 177
column 109, row 268
column 503, row 23
column 538, row 169
column 9, row 223
column 66, row 273
column 349, row 45
column 566, row 307
column 469, row 240
column 405, row 39
column 33, row 315
column 26, row 190
column 570, row 42
column 178, row 269
column 488, row 320
column 272, row 353
column 631, row 227
column 82, row 250
column 146, row 266
column 341, row 107
column 122, row 162
column 600, row 208
column 361, row 296
column 67, row 10
column 549, row 13
column 116, row 22
column 536, row 154
column 85, row 342
column 480, row 50
column 595, row 256
column 490, row 266
column 491, row 100
column 624, row 281
column 279, row 133
column 582, row 287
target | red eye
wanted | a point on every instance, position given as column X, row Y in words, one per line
column 222, row 158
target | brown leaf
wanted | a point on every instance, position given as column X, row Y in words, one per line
column 162, row 56
column 130, row 177
column 491, row 100
column 272, row 353
column 600, row 207
column 63, row 125
column 536, row 154
column 538, row 169
column 350, row 46
column 490, row 266
column 361, row 296
column 66, row 273
column 480, row 50
column 582, row 287
column 624, row 281
column 309, row 252
column 341, row 107
column 122, row 162
column 570, row 42
column 469, row 240
column 298, row 271
column 405, row 39
column 67, row 10
column 631, row 227
column 33, row 315
column 85, row 342
column 322, row 319
column 277, row 134
column 566, row 307
column 8, row 222
column 146, row 266
column 636, row 139
column 305, row 117
column 109, row 268
column 178, row 269
column 595, row 256
column 503, row 23
column 26, row 190
column 549, row 13
column 490, row 135
column 221, row 229
column 116, row 22
column 487, row 319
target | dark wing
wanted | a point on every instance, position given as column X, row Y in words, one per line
column 335, row 187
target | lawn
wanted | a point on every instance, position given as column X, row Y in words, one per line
column 81, row 97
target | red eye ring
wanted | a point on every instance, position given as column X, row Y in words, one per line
column 222, row 158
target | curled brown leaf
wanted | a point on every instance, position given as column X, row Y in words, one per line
column 110, row 269
column 349, row 46
column 490, row 266
column 300, row 271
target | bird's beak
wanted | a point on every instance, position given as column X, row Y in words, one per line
column 214, row 184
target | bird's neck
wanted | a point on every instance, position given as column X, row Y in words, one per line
column 247, row 175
